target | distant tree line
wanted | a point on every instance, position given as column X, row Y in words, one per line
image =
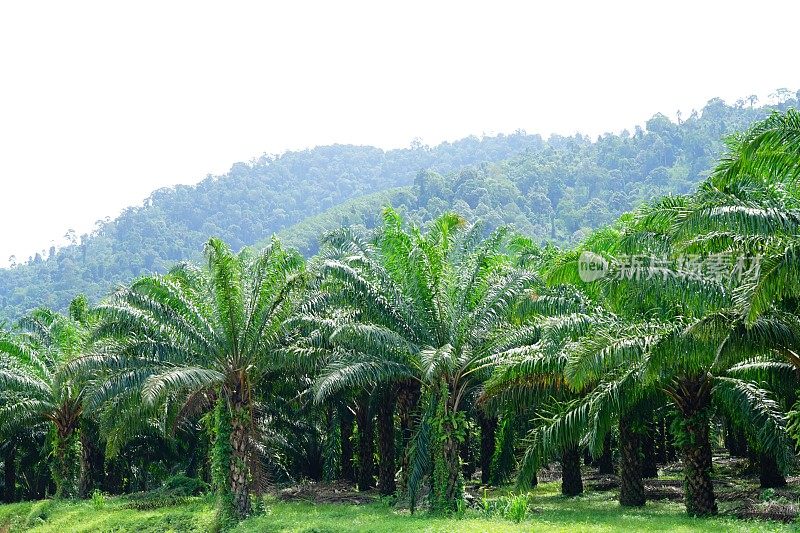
column 555, row 190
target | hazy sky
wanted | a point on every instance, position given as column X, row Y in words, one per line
column 102, row 102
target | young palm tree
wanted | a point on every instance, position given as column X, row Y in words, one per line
column 197, row 338
column 427, row 308
column 35, row 387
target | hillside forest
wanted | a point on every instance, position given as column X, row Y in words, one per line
column 552, row 190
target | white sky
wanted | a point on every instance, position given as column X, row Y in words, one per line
column 102, row 102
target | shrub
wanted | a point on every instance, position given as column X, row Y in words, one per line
column 98, row 500
column 516, row 508
column 181, row 485
column 513, row 507
column 175, row 491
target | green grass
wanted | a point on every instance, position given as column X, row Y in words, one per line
column 48, row 516
column 593, row 512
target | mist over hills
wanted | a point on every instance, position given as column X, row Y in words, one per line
column 552, row 190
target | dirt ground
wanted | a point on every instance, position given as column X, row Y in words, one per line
column 735, row 482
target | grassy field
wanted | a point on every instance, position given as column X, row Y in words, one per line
column 549, row 512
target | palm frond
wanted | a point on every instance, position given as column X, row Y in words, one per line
column 755, row 411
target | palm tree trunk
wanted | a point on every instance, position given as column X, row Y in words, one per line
column 330, row 445
column 571, row 482
column 488, row 427
column 769, row 474
column 313, row 466
column 700, row 498
column 386, row 473
column 694, row 399
column 128, row 478
column 91, row 459
column 10, row 473
column 503, row 460
column 661, row 441
column 143, row 477
column 669, row 444
column 447, row 487
column 605, row 463
column 588, row 460
column 198, row 453
column 467, row 457
column 112, row 482
column 407, row 400
column 229, row 460
column 648, row 443
column 735, row 440
column 240, row 484
column 631, row 485
column 454, row 486
column 366, row 458
column 64, row 468
column 346, row 432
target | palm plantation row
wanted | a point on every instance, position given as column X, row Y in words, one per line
column 446, row 349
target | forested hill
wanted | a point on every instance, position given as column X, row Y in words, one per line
column 250, row 202
column 554, row 189
column 564, row 189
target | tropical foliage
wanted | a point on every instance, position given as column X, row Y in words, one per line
column 437, row 347
column 429, row 308
column 37, row 389
column 199, row 341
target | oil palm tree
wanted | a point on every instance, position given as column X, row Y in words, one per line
column 569, row 413
column 201, row 339
column 36, row 388
column 661, row 332
column 533, row 377
column 692, row 357
column 428, row 308
column 749, row 208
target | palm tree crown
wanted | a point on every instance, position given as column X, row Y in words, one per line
column 198, row 336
